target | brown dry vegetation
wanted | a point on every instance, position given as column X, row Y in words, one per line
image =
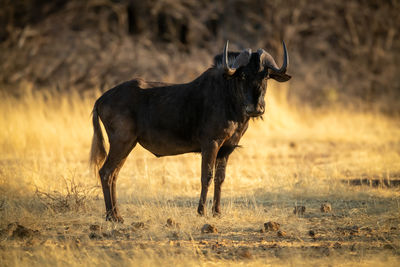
column 341, row 164
column 340, row 51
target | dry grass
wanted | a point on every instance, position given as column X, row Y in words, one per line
column 293, row 157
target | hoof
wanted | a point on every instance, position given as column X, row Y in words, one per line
column 119, row 219
column 216, row 211
column 217, row 214
column 114, row 218
column 201, row 211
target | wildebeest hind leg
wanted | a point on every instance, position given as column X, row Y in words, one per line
column 108, row 174
column 114, row 191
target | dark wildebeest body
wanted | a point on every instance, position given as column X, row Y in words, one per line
column 208, row 115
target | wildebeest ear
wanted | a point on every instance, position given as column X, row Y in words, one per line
column 280, row 77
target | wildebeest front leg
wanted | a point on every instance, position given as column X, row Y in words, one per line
column 219, row 178
column 208, row 155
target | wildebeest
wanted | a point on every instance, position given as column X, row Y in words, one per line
column 208, row 115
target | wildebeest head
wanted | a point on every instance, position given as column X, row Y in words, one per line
column 250, row 72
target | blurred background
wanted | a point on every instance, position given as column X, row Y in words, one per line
column 341, row 52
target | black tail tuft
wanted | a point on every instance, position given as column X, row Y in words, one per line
column 98, row 152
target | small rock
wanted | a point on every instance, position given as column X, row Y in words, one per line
column 299, row 210
column 272, row 226
column 106, row 235
column 139, row 225
column 245, row 253
column 21, row 232
column 94, row 227
column 116, row 233
column 311, row 233
column 337, row 245
column 281, row 233
column 172, row 223
column 326, row 207
column 208, row 228
column 95, row 236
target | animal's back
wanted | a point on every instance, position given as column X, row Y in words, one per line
column 164, row 117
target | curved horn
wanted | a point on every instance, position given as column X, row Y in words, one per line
column 285, row 58
column 227, row 69
column 267, row 60
column 241, row 60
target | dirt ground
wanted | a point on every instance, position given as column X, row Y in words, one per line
column 353, row 231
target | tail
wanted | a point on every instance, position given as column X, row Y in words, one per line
column 98, row 152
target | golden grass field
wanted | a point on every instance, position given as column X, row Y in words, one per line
column 52, row 210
